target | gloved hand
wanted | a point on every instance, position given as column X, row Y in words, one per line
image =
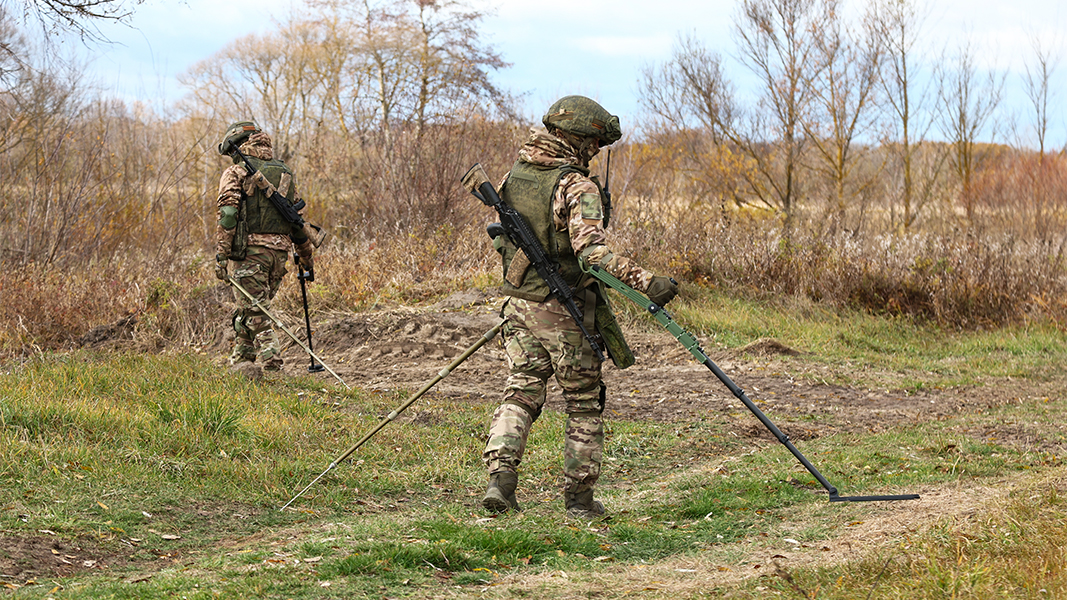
column 661, row 290
column 307, row 263
column 220, row 267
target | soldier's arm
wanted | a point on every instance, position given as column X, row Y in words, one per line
column 227, row 208
column 579, row 211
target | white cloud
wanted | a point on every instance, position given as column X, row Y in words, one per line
column 647, row 47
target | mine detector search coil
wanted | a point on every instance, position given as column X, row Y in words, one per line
column 486, row 337
column 278, row 322
column 693, row 346
column 518, row 231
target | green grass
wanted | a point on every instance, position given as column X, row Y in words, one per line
column 170, row 472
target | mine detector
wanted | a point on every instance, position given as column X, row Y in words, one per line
column 512, row 225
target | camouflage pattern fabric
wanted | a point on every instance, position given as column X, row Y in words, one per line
column 541, row 340
column 261, row 274
column 586, row 228
column 262, row 269
column 234, row 180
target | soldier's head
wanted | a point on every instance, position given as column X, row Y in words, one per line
column 583, row 123
column 236, row 135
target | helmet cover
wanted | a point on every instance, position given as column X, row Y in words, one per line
column 584, row 117
column 236, row 134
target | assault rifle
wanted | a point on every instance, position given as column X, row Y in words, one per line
column 289, row 212
column 518, row 231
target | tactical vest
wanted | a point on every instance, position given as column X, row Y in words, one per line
column 259, row 213
column 530, row 190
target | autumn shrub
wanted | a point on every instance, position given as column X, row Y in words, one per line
column 961, row 281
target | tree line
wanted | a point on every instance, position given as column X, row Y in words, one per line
column 855, row 146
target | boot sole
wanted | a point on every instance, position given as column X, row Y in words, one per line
column 495, row 504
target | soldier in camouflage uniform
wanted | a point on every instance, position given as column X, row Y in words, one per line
column 253, row 241
column 551, row 187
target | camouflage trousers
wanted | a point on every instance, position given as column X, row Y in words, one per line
column 541, row 340
column 261, row 274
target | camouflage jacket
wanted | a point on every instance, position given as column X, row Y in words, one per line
column 588, row 236
column 234, row 182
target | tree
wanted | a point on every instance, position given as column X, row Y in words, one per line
column 693, row 107
column 900, row 25
column 843, row 98
column 1038, row 74
column 967, row 103
column 77, row 16
column 777, row 45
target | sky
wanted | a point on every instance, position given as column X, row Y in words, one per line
column 598, row 48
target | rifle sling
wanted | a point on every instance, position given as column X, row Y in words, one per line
column 589, row 321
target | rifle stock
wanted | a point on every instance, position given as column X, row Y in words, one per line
column 518, row 231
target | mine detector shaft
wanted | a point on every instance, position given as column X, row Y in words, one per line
column 486, row 337
column 693, row 346
column 278, row 322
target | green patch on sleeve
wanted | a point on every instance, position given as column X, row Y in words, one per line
column 228, row 217
column 591, row 207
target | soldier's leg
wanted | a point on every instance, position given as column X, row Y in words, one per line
column 270, row 349
column 252, row 274
column 583, row 452
column 579, row 377
column 524, row 398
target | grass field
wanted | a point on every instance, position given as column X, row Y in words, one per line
column 161, row 476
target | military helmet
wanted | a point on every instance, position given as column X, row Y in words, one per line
column 236, row 134
column 583, row 116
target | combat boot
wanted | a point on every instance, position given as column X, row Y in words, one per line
column 247, row 368
column 500, row 495
column 580, row 505
column 273, row 364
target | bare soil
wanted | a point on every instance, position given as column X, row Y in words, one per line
column 404, row 349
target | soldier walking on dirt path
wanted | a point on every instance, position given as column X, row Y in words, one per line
column 551, row 187
column 254, row 239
